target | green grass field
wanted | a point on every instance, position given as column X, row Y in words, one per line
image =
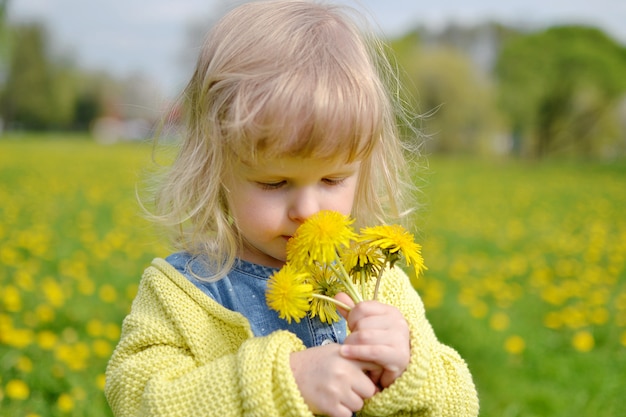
column 526, row 276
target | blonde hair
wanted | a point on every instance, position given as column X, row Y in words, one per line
column 277, row 78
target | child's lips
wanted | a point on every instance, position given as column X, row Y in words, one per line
column 286, row 237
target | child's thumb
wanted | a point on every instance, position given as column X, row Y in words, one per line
column 344, row 298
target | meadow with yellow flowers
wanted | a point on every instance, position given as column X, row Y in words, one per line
column 526, row 275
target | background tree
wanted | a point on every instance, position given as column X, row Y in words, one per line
column 4, row 52
column 560, row 87
column 43, row 90
column 456, row 101
column 34, row 94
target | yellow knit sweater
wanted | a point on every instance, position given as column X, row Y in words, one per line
column 183, row 354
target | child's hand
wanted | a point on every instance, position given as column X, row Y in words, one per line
column 379, row 334
column 329, row 383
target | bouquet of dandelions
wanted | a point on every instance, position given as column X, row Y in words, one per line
column 326, row 256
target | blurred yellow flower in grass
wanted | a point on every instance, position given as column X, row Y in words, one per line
column 101, row 381
column 112, row 331
column 432, row 292
column 102, row 348
column 552, row 320
column 46, row 339
column 107, row 293
column 24, row 364
column 17, row 389
column 583, row 341
column 499, row 321
column 11, row 299
column 326, row 257
column 53, row 292
column 289, row 293
column 95, row 328
column 75, row 356
column 515, row 345
column 19, row 338
column 65, row 403
column 45, row 313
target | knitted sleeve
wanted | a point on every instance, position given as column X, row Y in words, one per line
column 174, row 359
column 437, row 381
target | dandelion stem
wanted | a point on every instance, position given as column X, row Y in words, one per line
column 332, row 300
column 378, row 279
column 341, row 273
column 362, row 275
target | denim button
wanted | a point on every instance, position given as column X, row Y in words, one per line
column 327, row 342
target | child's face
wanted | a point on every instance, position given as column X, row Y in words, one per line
column 270, row 199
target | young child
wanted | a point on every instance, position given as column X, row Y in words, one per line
column 287, row 114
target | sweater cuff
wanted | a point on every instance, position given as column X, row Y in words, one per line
column 401, row 395
column 267, row 381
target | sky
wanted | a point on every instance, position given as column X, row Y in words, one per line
column 151, row 37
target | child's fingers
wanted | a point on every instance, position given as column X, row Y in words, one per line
column 344, row 298
column 367, row 311
column 364, row 389
column 372, row 354
column 380, row 335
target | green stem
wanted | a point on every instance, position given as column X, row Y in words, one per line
column 347, row 282
column 332, row 300
column 378, row 279
column 363, row 280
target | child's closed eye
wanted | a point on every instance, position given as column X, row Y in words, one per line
column 271, row 185
column 333, row 181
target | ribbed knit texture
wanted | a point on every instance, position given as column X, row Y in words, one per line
column 183, row 354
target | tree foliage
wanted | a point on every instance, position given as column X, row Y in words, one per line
column 455, row 101
column 559, row 88
column 36, row 90
column 43, row 91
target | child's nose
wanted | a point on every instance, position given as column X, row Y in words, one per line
column 304, row 204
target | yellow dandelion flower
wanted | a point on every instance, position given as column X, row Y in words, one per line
column 107, row 293
column 95, row 328
column 102, row 348
column 12, row 299
column 515, row 345
column 25, row 364
column 553, row 320
column 362, row 258
column 65, row 402
column 395, row 241
column 17, row 389
column 45, row 313
column 326, row 284
column 101, row 381
column 46, row 339
column 289, row 294
column 131, row 291
column 499, row 321
column 320, row 238
column 19, row 338
column 53, row 292
column 583, row 341
column 112, row 331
